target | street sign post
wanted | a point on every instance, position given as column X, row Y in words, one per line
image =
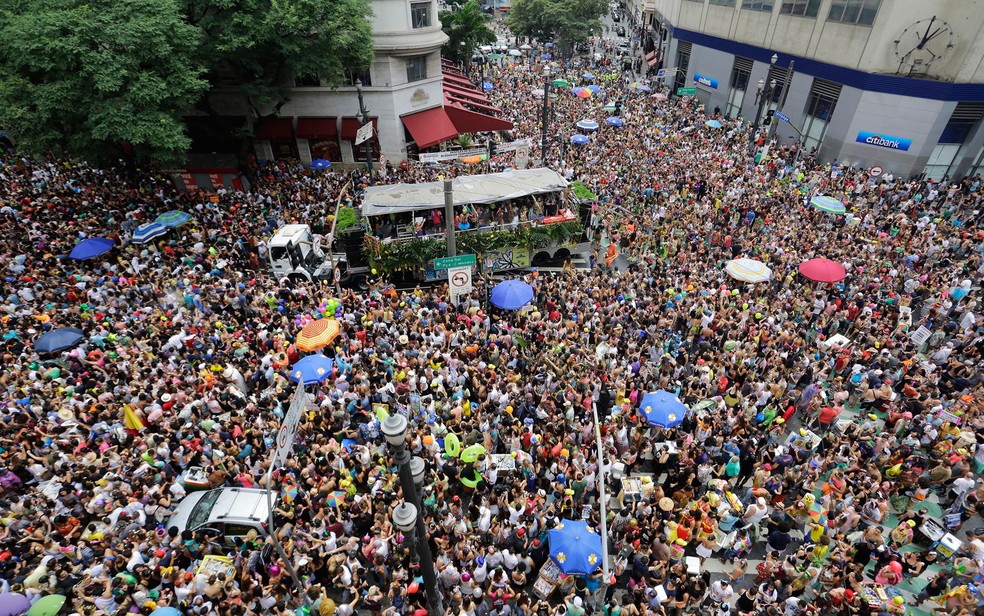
column 782, row 116
column 459, row 282
column 363, row 134
column 456, row 261
column 686, row 91
column 875, row 171
column 285, row 437
column 436, row 157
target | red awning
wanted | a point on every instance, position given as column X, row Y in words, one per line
column 653, row 61
column 275, row 129
column 430, row 127
column 474, row 95
column 460, row 80
column 350, row 126
column 467, row 121
column 451, row 99
column 650, row 55
column 317, row 128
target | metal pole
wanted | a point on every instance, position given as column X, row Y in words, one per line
column 602, row 494
column 760, row 97
column 331, row 243
column 449, row 217
column 782, row 101
column 365, row 120
column 272, row 533
column 402, row 458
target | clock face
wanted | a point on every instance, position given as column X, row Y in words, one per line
column 924, row 42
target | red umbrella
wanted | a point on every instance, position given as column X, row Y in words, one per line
column 822, row 270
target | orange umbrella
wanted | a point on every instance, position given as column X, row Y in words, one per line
column 317, row 334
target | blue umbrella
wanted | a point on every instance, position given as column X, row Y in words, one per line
column 828, row 204
column 511, row 294
column 713, row 124
column 587, row 125
column 579, row 139
column 587, row 76
column 58, row 340
column 92, row 247
column 487, row 86
column 614, row 121
column 149, row 231
column 544, row 56
column 663, row 409
column 575, row 547
column 594, row 89
column 167, row 610
column 174, row 218
column 548, row 44
column 312, row 369
column 320, row 163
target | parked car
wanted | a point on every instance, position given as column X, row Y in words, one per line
column 620, row 30
column 616, row 16
column 231, row 512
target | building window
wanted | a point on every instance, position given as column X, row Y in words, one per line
column 860, row 12
column 820, row 108
column 416, row 68
column 684, row 48
column 420, row 14
column 309, row 81
column 758, row 5
column 800, row 8
column 962, row 121
column 362, row 75
column 741, row 72
column 723, row 2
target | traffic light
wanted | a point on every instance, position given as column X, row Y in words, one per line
column 492, row 148
column 768, row 116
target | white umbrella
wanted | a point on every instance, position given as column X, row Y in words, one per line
column 515, row 52
column 525, row 47
column 748, row 270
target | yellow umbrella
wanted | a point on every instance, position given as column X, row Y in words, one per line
column 317, row 335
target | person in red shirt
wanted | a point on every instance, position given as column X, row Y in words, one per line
column 828, row 415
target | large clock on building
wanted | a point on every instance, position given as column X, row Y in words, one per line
column 923, row 43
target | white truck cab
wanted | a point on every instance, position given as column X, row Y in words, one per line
column 296, row 253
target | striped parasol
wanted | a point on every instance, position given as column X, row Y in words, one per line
column 147, row 232
column 174, row 218
column 828, row 204
column 748, row 270
column 336, row 498
column 317, row 335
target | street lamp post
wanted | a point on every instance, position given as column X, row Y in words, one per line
column 782, row 101
column 546, row 111
column 408, row 516
column 761, row 95
column 365, row 120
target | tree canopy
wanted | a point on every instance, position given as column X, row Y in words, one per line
column 566, row 22
column 95, row 80
column 87, row 79
column 468, row 25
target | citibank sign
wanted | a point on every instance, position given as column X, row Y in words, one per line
column 704, row 80
column 884, row 141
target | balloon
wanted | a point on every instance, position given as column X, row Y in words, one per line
column 509, row 410
column 898, row 600
column 274, row 570
column 564, row 453
column 414, row 586
column 428, row 439
column 452, row 446
column 561, row 478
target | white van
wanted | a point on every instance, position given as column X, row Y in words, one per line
column 233, row 512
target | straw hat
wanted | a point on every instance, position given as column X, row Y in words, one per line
column 666, row 503
column 65, row 414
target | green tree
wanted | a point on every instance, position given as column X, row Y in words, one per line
column 566, row 22
column 87, row 80
column 468, row 25
column 260, row 45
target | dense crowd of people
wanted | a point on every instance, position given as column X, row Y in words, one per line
column 823, row 442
